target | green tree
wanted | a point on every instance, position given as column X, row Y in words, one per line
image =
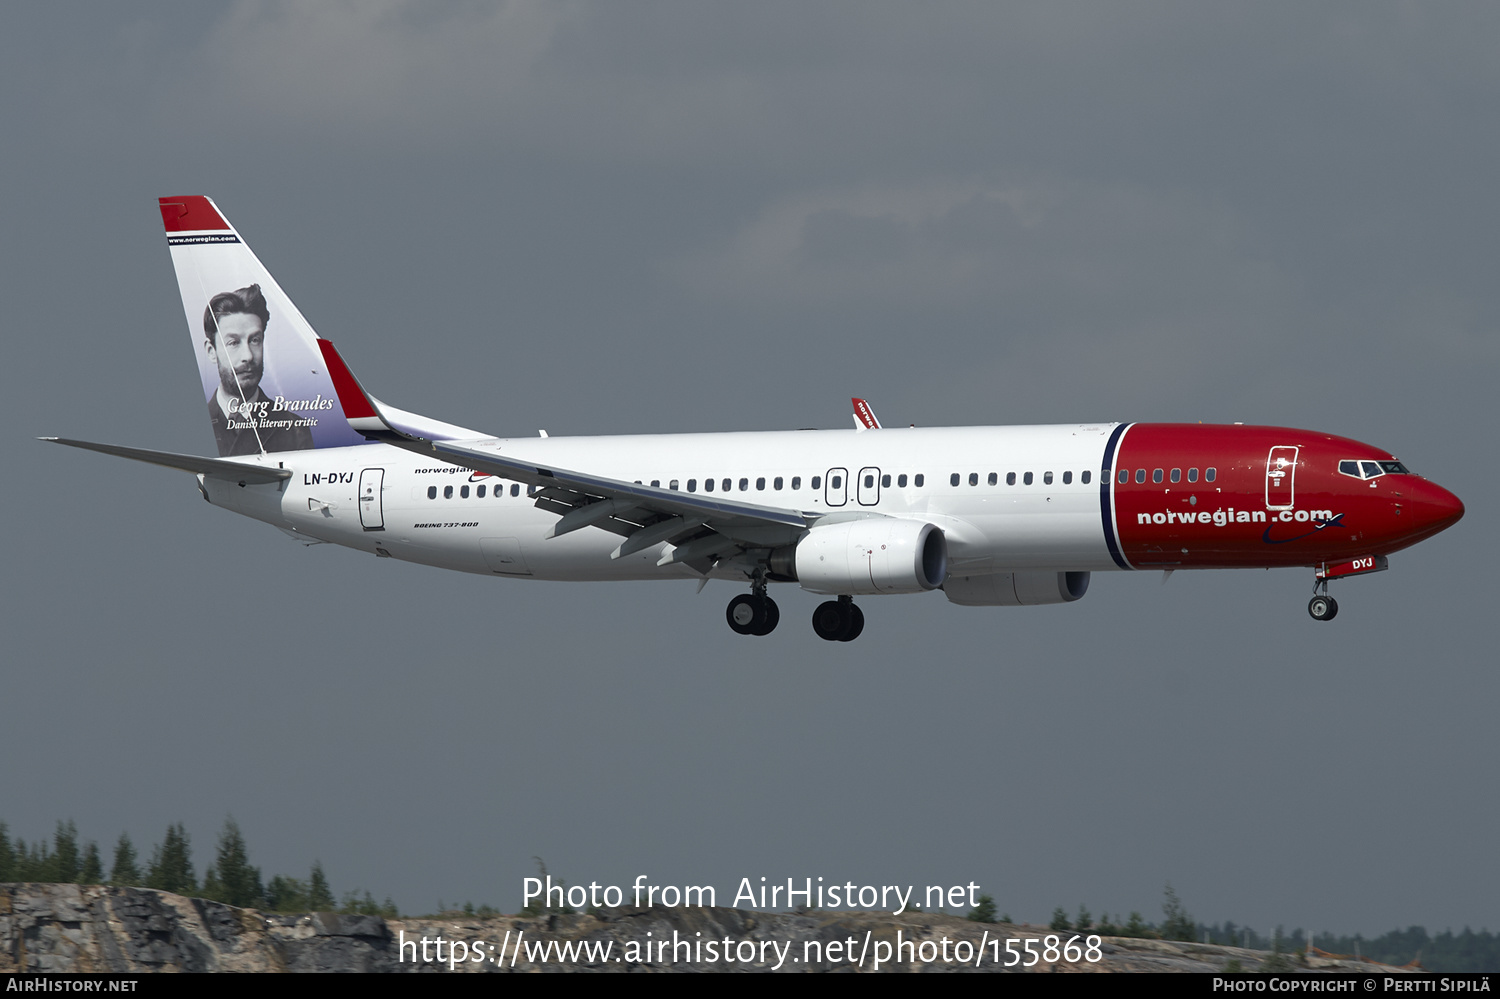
column 1060, row 920
column 1084, row 921
column 319, row 894
column 234, row 880
column 285, row 894
column 125, row 871
column 65, row 861
column 92, row 872
column 172, row 864
column 1276, row 962
column 1136, row 927
column 8, row 867
column 1178, row 925
column 984, row 912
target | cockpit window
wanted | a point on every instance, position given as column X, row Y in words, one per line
column 1372, row 469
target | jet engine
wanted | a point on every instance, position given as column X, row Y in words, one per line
column 877, row 555
column 1016, row 589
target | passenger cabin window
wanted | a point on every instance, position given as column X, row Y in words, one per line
column 1192, row 475
column 973, row 478
column 776, row 483
column 673, row 484
column 1176, row 475
column 901, row 480
column 656, row 483
column 1140, row 475
column 432, row 492
column 1010, row 478
column 725, row 485
column 1124, row 476
column 918, row 480
column 1067, row 478
column 745, row 484
column 1047, row 478
column 515, row 489
column 816, row 482
column 994, row 478
column 869, row 482
column 479, row 493
column 1026, row 478
column 447, row 492
column 708, row 485
column 1209, row 474
column 953, row 479
column 837, row 482
column 1085, row 478
column 692, row 485
column 797, row 482
column 885, row 481
column 1156, row 475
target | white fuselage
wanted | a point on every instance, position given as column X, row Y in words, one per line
column 414, row 508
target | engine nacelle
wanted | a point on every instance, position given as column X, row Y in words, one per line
column 1016, row 589
column 879, row 555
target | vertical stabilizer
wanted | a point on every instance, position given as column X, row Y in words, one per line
column 265, row 382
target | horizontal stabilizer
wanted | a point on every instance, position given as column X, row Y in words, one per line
column 218, row 468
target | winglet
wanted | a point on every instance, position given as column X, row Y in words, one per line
column 376, row 421
column 360, row 409
column 864, row 416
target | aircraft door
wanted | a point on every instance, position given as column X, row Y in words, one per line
column 868, row 488
column 1281, row 473
column 836, row 487
column 371, row 509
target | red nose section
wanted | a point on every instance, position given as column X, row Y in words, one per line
column 1432, row 508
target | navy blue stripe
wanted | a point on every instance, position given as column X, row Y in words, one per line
column 1106, row 482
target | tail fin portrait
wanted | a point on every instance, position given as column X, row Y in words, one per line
column 265, row 382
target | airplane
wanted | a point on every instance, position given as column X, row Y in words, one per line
column 990, row 516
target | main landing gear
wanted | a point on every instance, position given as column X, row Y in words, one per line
column 838, row 620
column 754, row 613
column 1322, row 607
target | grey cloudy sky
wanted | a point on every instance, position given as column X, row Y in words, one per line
column 608, row 218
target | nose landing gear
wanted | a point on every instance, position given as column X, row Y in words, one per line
column 838, row 620
column 1322, row 607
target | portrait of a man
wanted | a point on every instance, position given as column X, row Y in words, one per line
column 245, row 419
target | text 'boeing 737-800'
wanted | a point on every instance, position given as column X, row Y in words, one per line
column 992, row 516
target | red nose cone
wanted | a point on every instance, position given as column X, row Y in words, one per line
column 1433, row 508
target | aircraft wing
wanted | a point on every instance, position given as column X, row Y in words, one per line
column 702, row 529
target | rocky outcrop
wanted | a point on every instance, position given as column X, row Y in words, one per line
column 88, row 928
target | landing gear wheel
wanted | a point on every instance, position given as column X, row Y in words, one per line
column 838, row 620
column 749, row 614
column 1323, row 608
column 772, row 617
column 830, row 622
column 744, row 614
column 856, row 624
